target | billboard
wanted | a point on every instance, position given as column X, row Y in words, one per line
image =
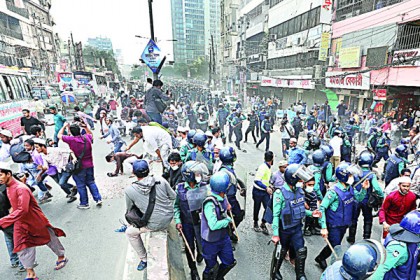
column 325, row 44
column 349, row 57
column 152, row 56
column 350, row 81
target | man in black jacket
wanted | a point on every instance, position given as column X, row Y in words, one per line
column 174, row 175
column 253, row 123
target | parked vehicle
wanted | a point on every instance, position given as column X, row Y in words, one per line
column 48, row 95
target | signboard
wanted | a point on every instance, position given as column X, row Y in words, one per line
column 378, row 107
column 379, row 94
column 326, row 4
column 325, row 43
column 402, row 56
column 349, row 57
column 376, row 56
column 286, row 83
column 349, row 81
column 152, row 57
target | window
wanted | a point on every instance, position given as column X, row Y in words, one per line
column 304, row 24
column 298, row 24
column 3, row 94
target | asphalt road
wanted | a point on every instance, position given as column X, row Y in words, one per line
column 97, row 252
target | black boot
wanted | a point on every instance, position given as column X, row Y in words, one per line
column 222, row 272
column 352, row 234
column 367, row 230
column 194, row 274
column 300, row 263
column 321, row 258
column 212, row 274
column 276, row 264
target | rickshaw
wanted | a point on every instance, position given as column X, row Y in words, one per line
column 68, row 101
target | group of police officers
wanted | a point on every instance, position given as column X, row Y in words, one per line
column 305, row 198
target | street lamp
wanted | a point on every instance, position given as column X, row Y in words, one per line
column 169, row 40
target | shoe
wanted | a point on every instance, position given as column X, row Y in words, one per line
column 123, row 228
column 199, row 258
column 71, row 199
column 44, row 199
column 256, row 227
column 234, row 238
column 14, row 265
column 73, row 191
column 99, row 203
column 142, row 265
column 48, row 194
column 307, row 232
column 83, row 207
column 264, row 229
column 321, row 263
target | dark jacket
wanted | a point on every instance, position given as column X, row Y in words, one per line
column 174, row 177
column 4, row 207
column 149, row 99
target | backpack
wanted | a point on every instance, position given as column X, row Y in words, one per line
column 18, row 152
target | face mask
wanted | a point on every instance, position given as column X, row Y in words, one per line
column 299, row 185
column 198, row 179
column 350, row 181
column 309, row 189
column 175, row 167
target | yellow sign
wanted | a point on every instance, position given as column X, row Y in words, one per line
column 349, row 57
column 325, row 43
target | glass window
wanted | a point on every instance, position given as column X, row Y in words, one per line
column 9, row 87
column 3, row 94
column 298, row 24
column 23, row 86
column 18, row 93
column 304, row 18
column 292, row 26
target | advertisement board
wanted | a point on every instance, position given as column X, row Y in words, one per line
column 349, row 57
column 379, row 94
column 152, row 56
column 349, row 81
column 325, row 44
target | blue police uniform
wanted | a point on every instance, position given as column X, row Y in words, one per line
column 215, row 236
column 265, row 134
column 392, row 168
column 382, row 148
column 204, row 156
column 231, row 194
column 237, row 129
column 333, row 272
column 230, row 120
column 222, row 114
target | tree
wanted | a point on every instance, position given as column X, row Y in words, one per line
column 101, row 60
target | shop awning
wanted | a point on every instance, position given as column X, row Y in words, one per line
column 331, row 97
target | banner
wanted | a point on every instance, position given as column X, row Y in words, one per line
column 379, row 94
column 285, row 83
column 401, row 57
column 350, row 81
column 349, row 57
column 323, row 49
column 331, row 97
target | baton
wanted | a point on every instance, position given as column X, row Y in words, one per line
column 234, row 226
column 186, row 244
column 331, row 247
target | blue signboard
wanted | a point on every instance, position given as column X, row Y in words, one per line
column 151, row 56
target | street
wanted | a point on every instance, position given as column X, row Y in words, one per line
column 97, row 252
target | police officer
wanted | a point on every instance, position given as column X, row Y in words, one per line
column 214, row 230
column 346, row 148
column 228, row 156
column 199, row 153
column 327, row 166
column 189, row 146
column 396, row 162
column 221, row 115
column 253, row 123
column 229, row 120
column 288, row 213
column 365, row 162
column 337, row 209
column 297, row 125
column 310, row 121
column 358, row 263
column 402, row 247
column 382, row 148
column 373, row 140
column 192, row 117
column 266, row 129
column 318, row 159
column 203, row 120
column 188, row 203
column 261, row 116
column 237, row 127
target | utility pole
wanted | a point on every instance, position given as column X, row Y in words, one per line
column 70, row 60
column 40, row 54
column 210, row 64
column 76, row 60
column 152, row 30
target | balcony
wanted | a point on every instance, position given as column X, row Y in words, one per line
column 20, row 11
column 11, row 33
column 351, row 8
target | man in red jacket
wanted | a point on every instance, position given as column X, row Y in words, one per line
column 396, row 205
column 31, row 227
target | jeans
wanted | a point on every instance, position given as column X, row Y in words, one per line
column 89, row 121
column 155, row 117
column 259, row 197
column 63, row 181
column 117, row 147
column 85, row 178
column 252, row 130
column 14, row 259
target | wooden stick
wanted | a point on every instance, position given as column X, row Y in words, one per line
column 234, row 225
column 188, row 246
column 331, row 247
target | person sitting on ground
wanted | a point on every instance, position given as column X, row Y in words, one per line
column 119, row 159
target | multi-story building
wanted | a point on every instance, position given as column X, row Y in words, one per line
column 100, row 43
column 193, row 24
column 375, row 54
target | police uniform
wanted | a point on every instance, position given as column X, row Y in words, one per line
column 214, row 234
column 346, row 150
column 327, row 172
column 238, row 214
column 363, row 205
column 188, row 218
column 221, row 116
column 393, row 167
column 203, row 156
column 310, row 122
column 237, row 129
column 185, row 150
column 265, row 134
column 372, row 142
column 229, row 121
column 401, row 261
column 337, row 210
column 382, row 149
column 319, row 186
column 288, row 214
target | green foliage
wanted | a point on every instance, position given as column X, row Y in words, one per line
column 101, row 60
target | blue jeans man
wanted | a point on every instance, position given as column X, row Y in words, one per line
column 85, row 179
column 156, row 117
column 8, row 237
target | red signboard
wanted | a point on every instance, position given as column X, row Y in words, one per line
column 379, row 94
column 379, row 107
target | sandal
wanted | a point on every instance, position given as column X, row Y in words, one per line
column 61, row 264
column 111, row 174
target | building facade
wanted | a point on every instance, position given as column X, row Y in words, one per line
column 193, row 24
column 374, row 60
column 100, row 43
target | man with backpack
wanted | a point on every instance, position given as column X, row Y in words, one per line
column 154, row 197
column 153, row 99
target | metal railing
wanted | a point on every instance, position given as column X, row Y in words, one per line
column 352, row 8
column 408, row 37
column 20, row 11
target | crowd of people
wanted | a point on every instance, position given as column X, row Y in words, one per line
column 327, row 176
